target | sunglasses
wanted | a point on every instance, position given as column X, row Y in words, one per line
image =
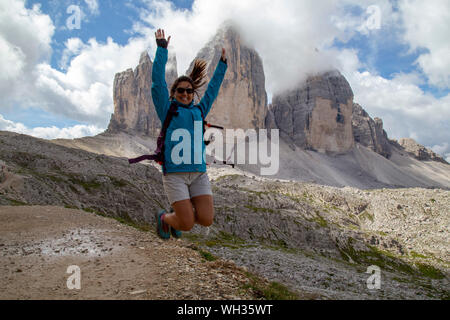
column 188, row 90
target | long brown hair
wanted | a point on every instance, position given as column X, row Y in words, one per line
column 196, row 78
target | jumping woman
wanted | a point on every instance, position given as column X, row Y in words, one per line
column 186, row 184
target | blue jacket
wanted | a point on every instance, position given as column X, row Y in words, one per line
column 187, row 114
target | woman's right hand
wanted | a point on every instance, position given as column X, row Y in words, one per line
column 161, row 39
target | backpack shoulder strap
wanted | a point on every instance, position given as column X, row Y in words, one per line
column 158, row 156
column 201, row 111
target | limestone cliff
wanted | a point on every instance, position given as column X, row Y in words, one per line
column 317, row 115
column 134, row 111
column 242, row 100
column 369, row 132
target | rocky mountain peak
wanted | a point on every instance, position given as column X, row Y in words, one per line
column 242, row 100
column 369, row 132
column 317, row 115
column 144, row 58
column 418, row 151
column 134, row 111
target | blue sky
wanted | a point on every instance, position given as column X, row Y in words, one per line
column 55, row 84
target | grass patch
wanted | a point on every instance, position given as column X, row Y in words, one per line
column 87, row 185
column 228, row 177
column 297, row 199
column 417, row 255
column 119, row 183
column 374, row 256
column 430, row 271
column 367, row 215
column 320, row 220
column 279, row 245
column 256, row 209
column 227, row 240
column 54, row 178
column 269, row 291
column 207, row 255
column 13, row 202
column 68, row 206
column 123, row 219
column 401, row 280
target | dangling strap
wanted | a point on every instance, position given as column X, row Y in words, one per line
column 142, row 158
column 212, row 126
column 159, row 152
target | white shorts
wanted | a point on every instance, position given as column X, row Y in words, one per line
column 186, row 185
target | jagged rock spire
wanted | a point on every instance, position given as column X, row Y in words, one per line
column 134, row 111
column 317, row 115
column 242, row 100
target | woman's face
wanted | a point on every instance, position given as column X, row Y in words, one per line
column 181, row 95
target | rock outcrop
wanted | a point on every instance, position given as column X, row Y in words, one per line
column 306, row 236
column 318, row 115
column 369, row 132
column 242, row 100
column 418, row 151
column 134, row 111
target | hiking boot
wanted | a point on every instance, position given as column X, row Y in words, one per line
column 162, row 228
column 175, row 233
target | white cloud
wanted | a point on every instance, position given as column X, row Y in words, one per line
column 53, row 132
column 285, row 34
column 427, row 26
column 83, row 92
column 14, row 62
column 73, row 48
column 21, row 47
column 375, row 15
column 443, row 150
column 92, row 6
column 405, row 109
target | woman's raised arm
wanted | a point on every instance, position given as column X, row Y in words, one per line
column 160, row 94
column 214, row 84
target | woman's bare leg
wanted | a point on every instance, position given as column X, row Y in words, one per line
column 183, row 218
column 204, row 210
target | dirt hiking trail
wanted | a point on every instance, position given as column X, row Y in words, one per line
column 116, row 261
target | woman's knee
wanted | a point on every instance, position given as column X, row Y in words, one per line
column 204, row 209
column 186, row 225
column 206, row 222
column 184, row 215
column 206, row 219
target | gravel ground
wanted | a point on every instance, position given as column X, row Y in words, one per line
column 116, row 261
